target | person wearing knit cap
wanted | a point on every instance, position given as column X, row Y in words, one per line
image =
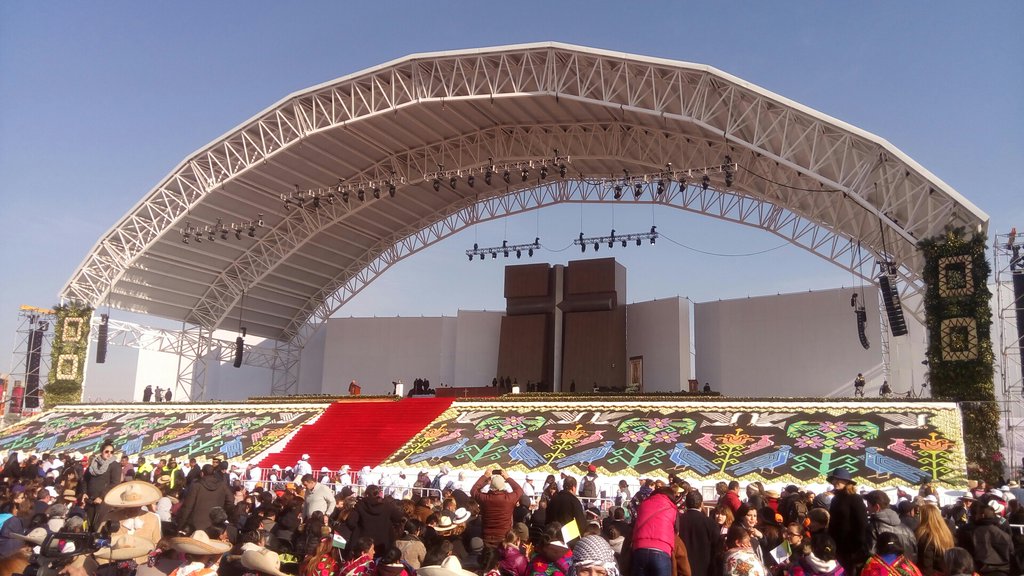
column 592, row 556
column 496, row 504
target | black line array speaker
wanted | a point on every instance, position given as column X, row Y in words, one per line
column 101, row 339
column 893, row 307
column 32, row 360
column 862, row 320
column 239, row 344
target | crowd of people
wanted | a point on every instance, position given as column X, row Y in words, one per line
column 193, row 519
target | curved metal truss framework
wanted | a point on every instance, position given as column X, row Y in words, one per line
column 818, row 182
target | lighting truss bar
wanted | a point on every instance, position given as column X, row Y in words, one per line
column 505, row 250
column 198, row 233
column 612, row 239
column 507, row 172
column 314, row 197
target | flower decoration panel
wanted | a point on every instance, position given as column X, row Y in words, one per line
column 237, row 433
column 880, row 444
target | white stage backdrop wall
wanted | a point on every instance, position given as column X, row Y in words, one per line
column 802, row 344
column 659, row 331
column 476, row 348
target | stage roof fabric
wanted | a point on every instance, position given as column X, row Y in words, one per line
column 421, row 121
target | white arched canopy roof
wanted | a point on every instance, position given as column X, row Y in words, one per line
column 835, row 190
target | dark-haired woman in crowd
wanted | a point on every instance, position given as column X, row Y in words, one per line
column 820, row 559
column 411, row 543
column 740, row 559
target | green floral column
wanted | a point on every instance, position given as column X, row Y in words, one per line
column 959, row 322
column 68, row 355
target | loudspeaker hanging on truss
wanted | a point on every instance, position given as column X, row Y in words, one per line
column 893, row 307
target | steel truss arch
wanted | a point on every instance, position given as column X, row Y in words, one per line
column 803, row 175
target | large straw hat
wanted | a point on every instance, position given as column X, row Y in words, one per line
column 199, row 544
column 263, row 561
column 35, row 536
column 462, row 516
column 450, row 567
column 132, row 494
column 125, row 547
column 445, row 524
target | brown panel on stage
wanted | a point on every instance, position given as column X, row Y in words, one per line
column 595, row 350
column 528, row 281
column 524, row 352
column 594, row 333
column 526, row 345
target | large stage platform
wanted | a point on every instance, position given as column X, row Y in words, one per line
column 882, row 444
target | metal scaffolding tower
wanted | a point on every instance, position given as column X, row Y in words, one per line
column 1008, row 262
column 35, row 330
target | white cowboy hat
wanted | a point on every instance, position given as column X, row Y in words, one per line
column 461, row 516
column 132, row 494
column 199, row 544
column 125, row 547
column 449, row 567
column 263, row 561
column 445, row 524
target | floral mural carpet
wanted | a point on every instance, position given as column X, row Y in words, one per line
column 880, row 444
column 238, row 432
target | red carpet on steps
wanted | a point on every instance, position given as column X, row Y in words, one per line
column 359, row 433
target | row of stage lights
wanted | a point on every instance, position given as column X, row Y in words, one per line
column 209, row 233
column 611, row 239
column 316, row 197
column 661, row 180
column 505, row 249
column 508, row 172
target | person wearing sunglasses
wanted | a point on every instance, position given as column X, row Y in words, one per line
column 103, row 473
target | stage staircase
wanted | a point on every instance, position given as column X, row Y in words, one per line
column 359, row 433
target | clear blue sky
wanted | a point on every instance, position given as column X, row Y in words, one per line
column 100, row 100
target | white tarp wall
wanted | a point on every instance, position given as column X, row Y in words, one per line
column 797, row 345
column 659, row 331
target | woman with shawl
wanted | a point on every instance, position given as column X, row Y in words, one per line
column 104, row 473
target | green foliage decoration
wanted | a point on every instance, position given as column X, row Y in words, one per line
column 968, row 379
column 68, row 354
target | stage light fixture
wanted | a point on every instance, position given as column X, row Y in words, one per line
column 525, row 174
column 487, row 176
column 453, row 181
column 470, row 257
column 494, row 255
column 705, row 182
column 471, row 181
column 530, row 252
column 507, row 177
column 728, row 171
column 596, row 246
column 638, row 191
column 344, row 196
column 661, row 187
column 562, row 170
column 361, row 194
column 544, row 172
column 238, row 233
column 618, row 192
column 316, row 202
column 252, row 231
column 184, row 239
column 210, row 235
column 637, row 241
column 519, row 254
column 623, row 243
column 391, row 190
column 376, row 192
column 437, row 185
column 682, row 182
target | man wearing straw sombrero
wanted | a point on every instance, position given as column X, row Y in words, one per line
column 202, row 555
column 121, row 558
column 129, row 502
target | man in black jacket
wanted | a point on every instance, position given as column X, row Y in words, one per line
column 882, row 518
column 700, row 534
column 564, row 506
column 848, row 524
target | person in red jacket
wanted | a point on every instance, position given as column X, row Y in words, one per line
column 496, row 504
column 732, row 498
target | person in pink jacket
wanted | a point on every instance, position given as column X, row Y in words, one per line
column 654, row 535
